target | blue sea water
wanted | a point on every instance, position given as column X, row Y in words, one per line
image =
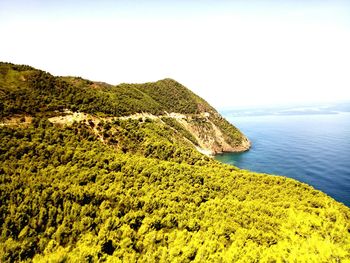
column 314, row 149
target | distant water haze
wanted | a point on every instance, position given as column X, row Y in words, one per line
column 291, row 109
column 310, row 145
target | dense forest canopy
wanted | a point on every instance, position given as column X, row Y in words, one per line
column 135, row 189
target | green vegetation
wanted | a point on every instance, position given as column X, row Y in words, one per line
column 129, row 190
column 67, row 196
column 25, row 90
column 149, row 138
column 179, row 128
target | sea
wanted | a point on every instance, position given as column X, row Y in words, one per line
column 309, row 144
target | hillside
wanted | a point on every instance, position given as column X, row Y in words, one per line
column 97, row 185
column 28, row 91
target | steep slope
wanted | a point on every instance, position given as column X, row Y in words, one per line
column 25, row 90
column 116, row 183
column 67, row 197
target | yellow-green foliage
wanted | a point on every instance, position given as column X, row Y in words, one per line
column 65, row 196
column 149, row 138
column 180, row 129
column 26, row 90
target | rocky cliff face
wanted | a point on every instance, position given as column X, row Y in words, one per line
column 209, row 138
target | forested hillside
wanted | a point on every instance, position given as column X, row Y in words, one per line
column 25, row 90
column 106, row 188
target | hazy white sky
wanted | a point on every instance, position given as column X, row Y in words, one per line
column 231, row 53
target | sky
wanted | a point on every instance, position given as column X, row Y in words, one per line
column 231, row 53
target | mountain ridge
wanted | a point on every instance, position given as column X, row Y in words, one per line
column 165, row 97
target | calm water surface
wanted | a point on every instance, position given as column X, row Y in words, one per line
column 314, row 149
